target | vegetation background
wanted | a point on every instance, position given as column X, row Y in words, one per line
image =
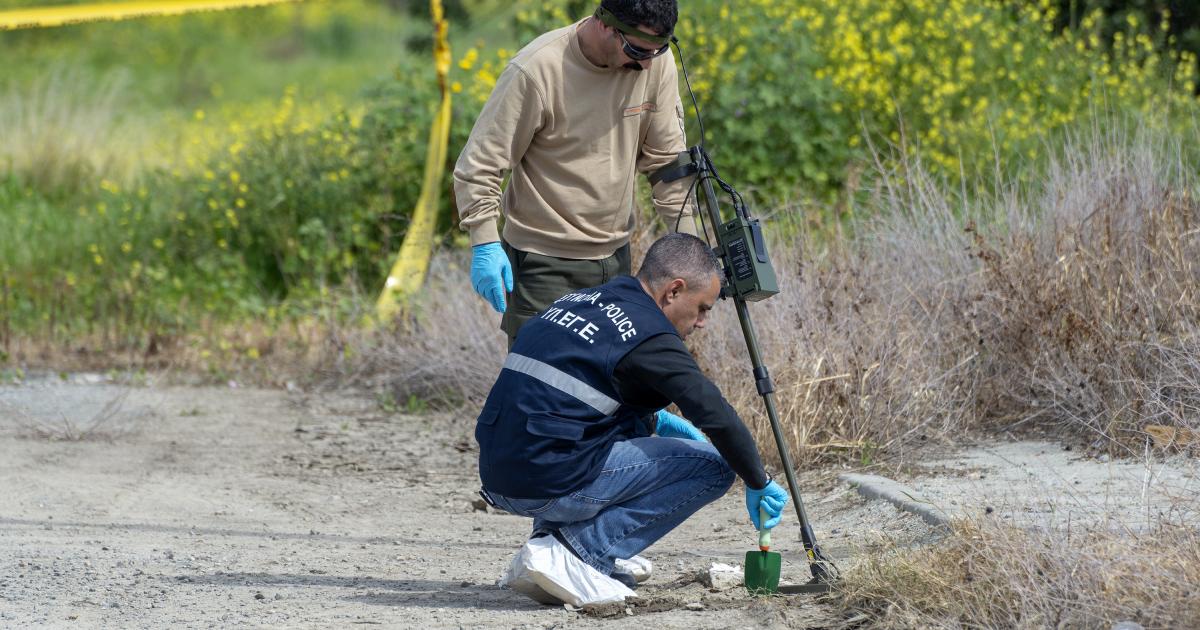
column 166, row 180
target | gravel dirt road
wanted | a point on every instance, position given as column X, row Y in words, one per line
column 152, row 507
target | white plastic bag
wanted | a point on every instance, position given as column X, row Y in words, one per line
column 545, row 571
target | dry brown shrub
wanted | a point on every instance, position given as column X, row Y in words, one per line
column 856, row 342
column 1088, row 305
column 447, row 350
column 1069, row 303
column 990, row 575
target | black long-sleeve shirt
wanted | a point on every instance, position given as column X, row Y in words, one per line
column 661, row 371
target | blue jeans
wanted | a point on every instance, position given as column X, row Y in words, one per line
column 647, row 487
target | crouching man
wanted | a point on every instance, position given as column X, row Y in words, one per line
column 565, row 436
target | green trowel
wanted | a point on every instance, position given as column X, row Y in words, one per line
column 763, row 566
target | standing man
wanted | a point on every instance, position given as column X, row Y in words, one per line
column 565, row 434
column 574, row 117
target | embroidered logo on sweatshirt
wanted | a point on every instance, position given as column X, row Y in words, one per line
column 644, row 107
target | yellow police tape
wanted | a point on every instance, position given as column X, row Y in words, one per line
column 412, row 263
column 51, row 16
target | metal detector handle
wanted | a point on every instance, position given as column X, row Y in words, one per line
column 684, row 165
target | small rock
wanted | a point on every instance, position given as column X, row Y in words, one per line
column 1104, row 460
column 1127, row 625
column 695, row 606
column 479, row 505
column 723, row 576
column 278, row 597
column 259, row 595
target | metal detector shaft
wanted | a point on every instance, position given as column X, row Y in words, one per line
column 766, row 388
column 762, row 380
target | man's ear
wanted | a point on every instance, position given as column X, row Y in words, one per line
column 674, row 289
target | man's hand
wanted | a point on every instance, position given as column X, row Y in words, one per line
column 491, row 275
column 671, row 425
column 770, row 498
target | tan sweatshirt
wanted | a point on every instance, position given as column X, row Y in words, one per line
column 574, row 136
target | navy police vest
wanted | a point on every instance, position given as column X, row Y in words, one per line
column 554, row 412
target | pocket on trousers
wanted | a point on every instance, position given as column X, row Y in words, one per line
column 524, row 507
column 488, row 415
column 545, row 425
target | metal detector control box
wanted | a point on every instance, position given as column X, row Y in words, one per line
column 748, row 270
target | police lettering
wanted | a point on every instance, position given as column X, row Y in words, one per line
column 620, row 320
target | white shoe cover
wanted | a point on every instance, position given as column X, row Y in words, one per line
column 546, row 572
column 637, row 566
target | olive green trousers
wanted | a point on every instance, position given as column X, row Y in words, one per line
column 539, row 280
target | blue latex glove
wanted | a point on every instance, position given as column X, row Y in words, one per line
column 491, row 275
column 671, row 425
column 771, row 499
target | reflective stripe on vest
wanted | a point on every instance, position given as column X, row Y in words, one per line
column 563, row 382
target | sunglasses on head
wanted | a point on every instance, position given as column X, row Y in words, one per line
column 636, row 53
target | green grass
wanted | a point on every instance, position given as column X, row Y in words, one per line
column 112, row 129
column 203, row 60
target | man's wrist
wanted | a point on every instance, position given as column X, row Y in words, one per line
column 766, row 483
column 484, row 233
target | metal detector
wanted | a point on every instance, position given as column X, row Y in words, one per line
column 749, row 277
